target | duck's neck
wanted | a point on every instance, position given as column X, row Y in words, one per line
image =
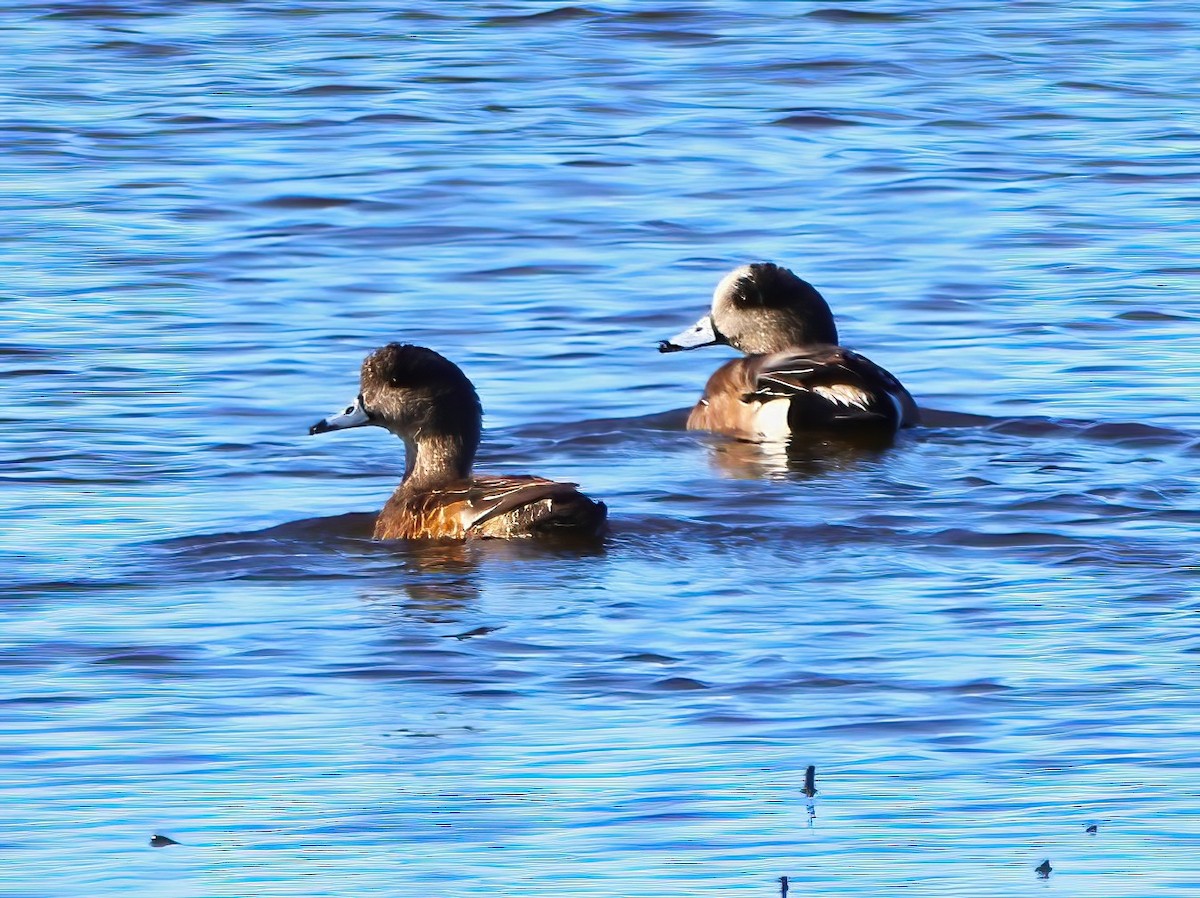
column 435, row 460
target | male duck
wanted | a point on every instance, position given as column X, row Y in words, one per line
column 795, row 379
column 425, row 399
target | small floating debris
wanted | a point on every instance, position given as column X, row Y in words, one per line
column 1092, row 829
column 783, row 884
column 810, row 781
column 1044, row 868
column 157, row 841
column 478, row 631
column 810, row 791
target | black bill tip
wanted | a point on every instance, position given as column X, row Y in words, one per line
column 668, row 346
column 320, row 427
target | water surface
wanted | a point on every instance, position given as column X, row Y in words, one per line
column 983, row 636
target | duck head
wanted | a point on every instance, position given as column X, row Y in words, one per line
column 760, row 308
column 421, row 397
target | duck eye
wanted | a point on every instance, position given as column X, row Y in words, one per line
column 348, row 410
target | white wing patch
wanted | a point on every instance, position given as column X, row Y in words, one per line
column 779, row 375
column 771, row 419
column 844, row 394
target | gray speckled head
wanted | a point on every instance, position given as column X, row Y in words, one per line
column 764, row 307
column 423, row 398
column 409, row 388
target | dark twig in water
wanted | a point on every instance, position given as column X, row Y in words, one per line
column 810, row 781
column 783, row 886
column 1092, row 830
column 478, row 631
column 157, row 841
column 1044, row 868
column 810, row 791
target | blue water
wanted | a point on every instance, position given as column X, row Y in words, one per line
column 984, row 637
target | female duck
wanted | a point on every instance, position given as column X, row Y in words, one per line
column 795, row 379
column 425, row 399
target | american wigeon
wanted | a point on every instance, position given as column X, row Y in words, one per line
column 794, row 379
column 428, row 402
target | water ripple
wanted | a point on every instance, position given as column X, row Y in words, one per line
column 980, row 635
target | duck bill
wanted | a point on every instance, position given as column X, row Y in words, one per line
column 702, row 333
column 354, row 416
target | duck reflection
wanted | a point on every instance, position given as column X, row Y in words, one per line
column 440, row 578
column 797, row 459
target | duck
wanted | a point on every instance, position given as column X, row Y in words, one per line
column 429, row 403
column 794, row 378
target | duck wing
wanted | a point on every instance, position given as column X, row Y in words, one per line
column 488, row 497
column 495, row 506
column 501, row 507
column 830, row 385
